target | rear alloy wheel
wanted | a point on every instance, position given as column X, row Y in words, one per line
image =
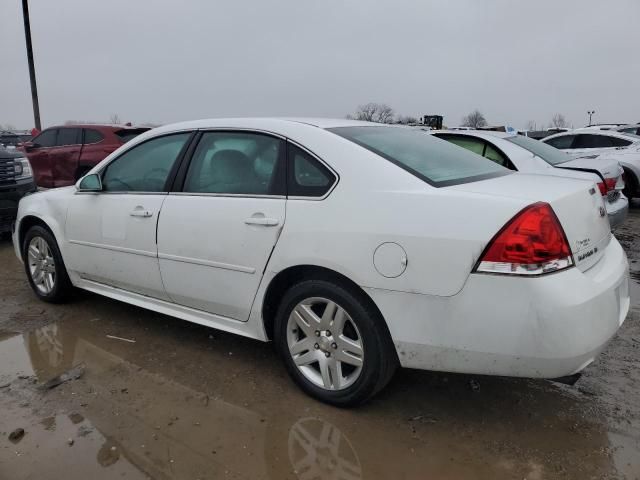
column 44, row 266
column 325, row 343
column 334, row 342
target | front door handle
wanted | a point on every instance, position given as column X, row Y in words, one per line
column 264, row 221
column 140, row 212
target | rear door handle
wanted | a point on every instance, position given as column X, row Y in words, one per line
column 264, row 221
column 140, row 212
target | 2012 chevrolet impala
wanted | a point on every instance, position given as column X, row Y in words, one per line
column 355, row 247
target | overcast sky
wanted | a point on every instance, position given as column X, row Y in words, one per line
column 164, row 61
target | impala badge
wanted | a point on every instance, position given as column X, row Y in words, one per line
column 603, row 212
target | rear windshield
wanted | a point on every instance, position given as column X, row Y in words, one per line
column 435, row 161
column 130, row 133
column 549, row 154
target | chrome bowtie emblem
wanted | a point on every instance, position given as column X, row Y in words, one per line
column 603, row 212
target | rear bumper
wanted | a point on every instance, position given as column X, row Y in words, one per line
column 617, row 211
column 10, row 196
column 544, row 327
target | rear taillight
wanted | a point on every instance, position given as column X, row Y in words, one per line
column 608, row 184
column 531, row 243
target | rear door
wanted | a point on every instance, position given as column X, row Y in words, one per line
column 39, row 157
column 65, row 155
column 216, row 234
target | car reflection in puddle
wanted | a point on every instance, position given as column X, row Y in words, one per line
column 163, row 429
column 141, row 417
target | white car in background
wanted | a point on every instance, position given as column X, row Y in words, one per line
column 606, row 145
column 527, row 155
column 356, row 247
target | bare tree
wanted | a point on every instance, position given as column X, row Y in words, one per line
column 115, row 119
column 531, row 125
column 7, row 126
column 475, row 120
column 406, row 119
column 558, row 121
column 374, row 112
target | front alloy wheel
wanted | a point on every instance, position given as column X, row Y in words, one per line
column 42, row 266
column 325, row 343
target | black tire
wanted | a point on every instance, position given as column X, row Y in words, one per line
column 62, row 287
column 380, row 360
column 630, row 185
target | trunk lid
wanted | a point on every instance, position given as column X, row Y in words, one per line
column 608, row 169
column 577, row 204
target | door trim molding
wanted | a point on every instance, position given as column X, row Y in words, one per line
column 115, row 248
column 207, row 263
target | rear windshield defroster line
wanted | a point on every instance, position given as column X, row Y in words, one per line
column 435, row 161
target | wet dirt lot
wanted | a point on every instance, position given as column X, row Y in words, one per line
column 182, row 401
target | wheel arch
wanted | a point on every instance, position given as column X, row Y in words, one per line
column 292, row 275
column 26, row 223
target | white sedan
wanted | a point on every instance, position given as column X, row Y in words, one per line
column 355, row 247
column 608, row 144
column 527, row 155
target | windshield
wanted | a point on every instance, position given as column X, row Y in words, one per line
column 549, row 154
column 435, row 161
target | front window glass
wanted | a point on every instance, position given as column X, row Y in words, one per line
column 145, row 167
column 429, row 158
column 549, row 154
column 235, row 163
column 46, row 138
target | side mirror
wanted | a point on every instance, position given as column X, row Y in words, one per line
column 90, row 183
column 28, row 146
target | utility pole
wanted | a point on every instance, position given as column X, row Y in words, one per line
column 32, row 70
column 590, row 113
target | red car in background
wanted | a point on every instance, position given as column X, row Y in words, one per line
column 61, row 155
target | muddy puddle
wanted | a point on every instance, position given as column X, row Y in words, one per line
column 155, row 397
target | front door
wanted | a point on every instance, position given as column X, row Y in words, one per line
column 65, row 155
column 112, row 234
column 215, row 236
column 38, row 156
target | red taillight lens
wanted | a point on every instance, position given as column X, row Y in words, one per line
column 608, row 184
column 531, row 243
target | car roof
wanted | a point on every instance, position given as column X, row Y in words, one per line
column 98, row 126
column 266, row 123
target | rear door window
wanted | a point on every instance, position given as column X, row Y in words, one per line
column 68, row 136
column 563, row 143
column 237, row 163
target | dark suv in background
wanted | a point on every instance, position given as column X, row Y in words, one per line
column 61, row 155
column 16, row 180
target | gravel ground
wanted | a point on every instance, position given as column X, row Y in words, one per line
column 168, row 399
